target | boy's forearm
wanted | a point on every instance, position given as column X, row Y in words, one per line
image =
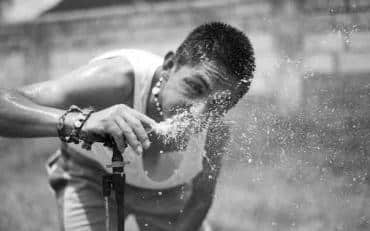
column 201, row 199
column 194, row 214
column 21, row 117
column 199, row 203
column 204, row 184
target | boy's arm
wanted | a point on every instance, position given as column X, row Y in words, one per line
column 34, row 110
column 101, row 84
column 204, row 183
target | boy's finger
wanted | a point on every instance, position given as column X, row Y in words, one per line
column 116, row 133
column 139, row 130
column 145, row 119
column 129, row 135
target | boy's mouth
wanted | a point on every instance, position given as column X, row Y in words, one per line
column 176, row 130
column 184, row 121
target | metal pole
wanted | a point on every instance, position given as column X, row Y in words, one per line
column 107, row 215
column 115, row 181
column 119, row 192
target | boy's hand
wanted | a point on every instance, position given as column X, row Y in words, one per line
column 122, row 123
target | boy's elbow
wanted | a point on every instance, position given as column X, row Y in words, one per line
column 205, row 202
column 6, row 96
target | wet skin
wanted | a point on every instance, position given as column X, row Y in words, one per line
column 184, row 87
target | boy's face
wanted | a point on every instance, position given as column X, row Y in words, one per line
column 195, row 86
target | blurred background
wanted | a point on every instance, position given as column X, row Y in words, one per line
column 299, row 155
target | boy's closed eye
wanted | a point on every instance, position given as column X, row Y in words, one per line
column 195, row 87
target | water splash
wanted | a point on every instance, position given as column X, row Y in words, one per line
column 184, row 123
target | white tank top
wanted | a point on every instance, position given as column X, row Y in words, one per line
column 182, row 166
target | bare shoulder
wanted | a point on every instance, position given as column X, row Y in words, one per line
column 117, row 66
column 114, row 73
column 100, row 83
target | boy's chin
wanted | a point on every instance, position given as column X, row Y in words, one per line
column 168, row 114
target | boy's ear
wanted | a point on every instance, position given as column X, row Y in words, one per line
column 169, row 60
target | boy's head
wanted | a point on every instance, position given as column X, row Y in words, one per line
column 213, row 68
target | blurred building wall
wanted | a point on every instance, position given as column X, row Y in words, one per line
column 294, row 40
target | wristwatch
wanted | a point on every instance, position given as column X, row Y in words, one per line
column 75, row 134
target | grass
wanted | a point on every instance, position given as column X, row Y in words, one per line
column 27, row 202
column 250, row 196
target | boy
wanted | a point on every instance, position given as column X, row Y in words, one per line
column 169, row 187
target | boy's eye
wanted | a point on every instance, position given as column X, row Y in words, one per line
column 195, row 87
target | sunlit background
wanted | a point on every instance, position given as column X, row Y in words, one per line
column 299, row 155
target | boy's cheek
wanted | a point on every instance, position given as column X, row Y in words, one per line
column 173, row 97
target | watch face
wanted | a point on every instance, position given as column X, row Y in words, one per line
column 60, row 125
column 81, row 117
column 78, row 124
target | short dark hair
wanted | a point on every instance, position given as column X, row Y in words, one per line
column 225, row 45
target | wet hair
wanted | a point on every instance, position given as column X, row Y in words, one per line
column 227, row 47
